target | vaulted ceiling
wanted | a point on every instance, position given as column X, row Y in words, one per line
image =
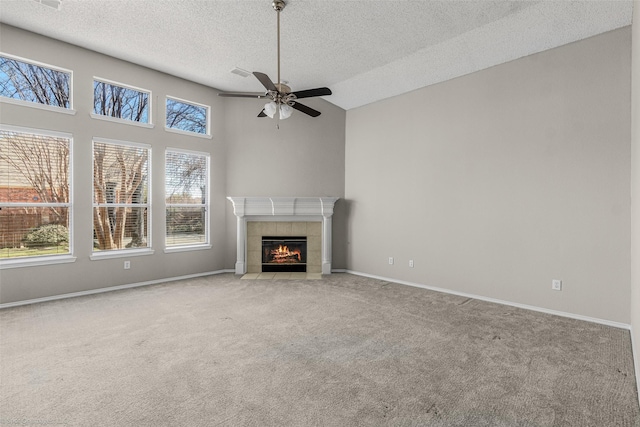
column 363, row 50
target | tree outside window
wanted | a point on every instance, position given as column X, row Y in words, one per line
column 186, row 198
column 120, row 195
column 33, row 83
column 187, row 116
column 120, row 102
column 35, row 196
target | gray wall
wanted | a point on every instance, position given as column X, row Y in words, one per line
column 497, row 182
column 85, row 274
column 635, row 187
column 240, row 148
column 304, row 158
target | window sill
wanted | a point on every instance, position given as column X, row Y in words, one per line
column 30, row 104
column 122, row 121
column 120, row 254
column 36, row 261
column 186, row 248
column 187, row 133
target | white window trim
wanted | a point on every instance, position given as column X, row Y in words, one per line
column 184, row 132
column 37, row 131
column 121, row 253
column 126, row 86
column 45, row 259
column 187, row 133
column 55, row 108
column 36, row 261
column 118, row 253
column 37, row 105
column 187, row 248
column 121, row 121
column 207, row 243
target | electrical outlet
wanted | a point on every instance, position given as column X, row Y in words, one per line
column 556, row 285
column 390, row 260
column 411, row 263
column 127, row 265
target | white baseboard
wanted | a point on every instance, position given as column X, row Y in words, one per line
column 497, row 301
column 635, row 351
column 111, row 288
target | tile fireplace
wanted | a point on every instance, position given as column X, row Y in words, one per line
column 283, row 218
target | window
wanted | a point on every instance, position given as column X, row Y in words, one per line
column 120, row 195
column 26, row 81
column 187, row 198
column 120, row 102
column 35, row 193
column 187, row 116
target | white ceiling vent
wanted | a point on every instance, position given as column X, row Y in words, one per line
column 51, row 3
column 241, row 72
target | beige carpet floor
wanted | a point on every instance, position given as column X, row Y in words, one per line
column 341, row 351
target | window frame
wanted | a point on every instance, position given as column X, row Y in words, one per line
column 207, row 233
column 207, row 108
column 37, row 105
column 149, row 124
column 120, row 253
column 38, row 260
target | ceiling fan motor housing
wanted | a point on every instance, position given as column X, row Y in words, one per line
column 278, row 5
column 283, row 88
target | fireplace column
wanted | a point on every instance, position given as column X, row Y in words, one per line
column 241, row 235
column 241, row 264
column 327, row 214
column 326, row 245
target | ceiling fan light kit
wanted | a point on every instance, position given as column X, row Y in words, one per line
column 270, row 109
column 282, row 100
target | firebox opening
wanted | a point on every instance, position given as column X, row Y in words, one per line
column 284, row 253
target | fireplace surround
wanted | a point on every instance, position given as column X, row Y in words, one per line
column 256, row 231
column 283, row 216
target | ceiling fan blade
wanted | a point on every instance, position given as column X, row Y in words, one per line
column 262, row 114
column 304, row 109
column 321, row 91
column 266, row 81
column 256, row 95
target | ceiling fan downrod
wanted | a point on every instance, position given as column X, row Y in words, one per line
column 283, row 100
column 278, row 5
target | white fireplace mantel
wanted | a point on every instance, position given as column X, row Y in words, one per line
column 282, row 209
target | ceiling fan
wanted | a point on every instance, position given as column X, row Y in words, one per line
column 282, row 99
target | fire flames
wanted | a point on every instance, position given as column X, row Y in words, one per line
column 284, row 255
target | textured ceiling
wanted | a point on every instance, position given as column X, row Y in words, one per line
column 363, row 50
